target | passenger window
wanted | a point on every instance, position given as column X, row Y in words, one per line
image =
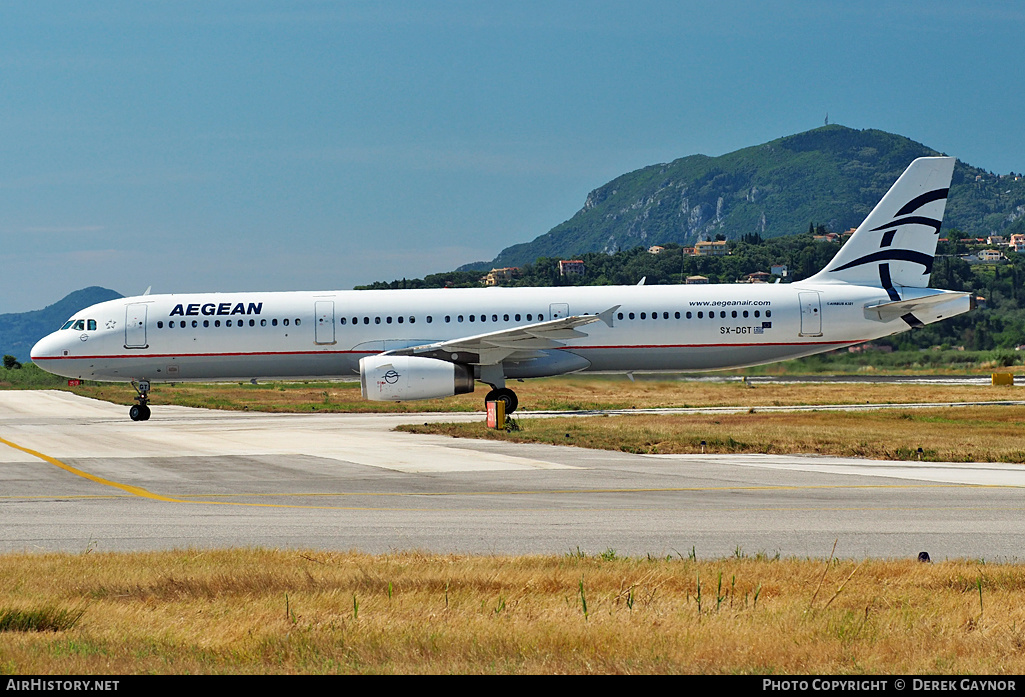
column 387, row 320
column 689, row 316
column 677, row 315
column 518, row 318
column 274, row 322
column 644, row 315
column 206, row 323
column 757, row 313
column 734, row 314
column 340, row 321
column 448, row 318
column 631, row 315
column 459, row 318
column 505, row 318
column 377, row 320
column 745, row 313
column 160, row 325
column 530, row 318
column 494, row 318
column 298, row 321
column 472, row 317
column 429, row 319
column 619, row 316
column 412, row 319
column 227, row 323
column 263, row 323
column 284, row 322
column 768, row 313
column 217, row 322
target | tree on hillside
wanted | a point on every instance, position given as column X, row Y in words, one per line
column 11, row 362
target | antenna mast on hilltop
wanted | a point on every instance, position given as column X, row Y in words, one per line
column 827, row 118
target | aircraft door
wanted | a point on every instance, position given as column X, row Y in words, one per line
column 325, row 319
column 135, row 325
column 811, row 314
column 559, row 310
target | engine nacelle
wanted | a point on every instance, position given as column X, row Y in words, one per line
column 397, row 378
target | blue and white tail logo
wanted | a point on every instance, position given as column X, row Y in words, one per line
column 896, row 243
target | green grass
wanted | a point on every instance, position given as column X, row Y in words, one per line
column 46, row 619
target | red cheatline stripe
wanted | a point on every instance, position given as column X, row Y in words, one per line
column 369, row 353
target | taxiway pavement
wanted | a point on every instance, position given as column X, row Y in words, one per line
column 76, row 474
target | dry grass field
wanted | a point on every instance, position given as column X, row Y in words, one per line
column 261, row 611
column 984, row 433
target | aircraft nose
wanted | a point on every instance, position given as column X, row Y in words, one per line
column 47, row 347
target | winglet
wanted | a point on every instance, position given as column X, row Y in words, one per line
column 606, row 316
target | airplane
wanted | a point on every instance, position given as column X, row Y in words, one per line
column 425, row 344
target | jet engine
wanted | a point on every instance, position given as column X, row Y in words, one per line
column 395, row 378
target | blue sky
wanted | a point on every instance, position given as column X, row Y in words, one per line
column 265, row 145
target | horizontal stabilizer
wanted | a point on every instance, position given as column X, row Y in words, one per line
column 887, row 312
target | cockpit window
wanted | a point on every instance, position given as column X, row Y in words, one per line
column 68, row 324
column 91, row 323
column 79, row 325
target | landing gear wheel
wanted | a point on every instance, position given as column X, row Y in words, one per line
column 140, row 411
column 506, row 395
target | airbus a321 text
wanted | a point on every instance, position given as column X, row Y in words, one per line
column 422, row 344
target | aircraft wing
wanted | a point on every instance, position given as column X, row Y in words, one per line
column 519, row 343
column 886, row 312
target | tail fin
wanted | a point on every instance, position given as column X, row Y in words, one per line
column 896, row 244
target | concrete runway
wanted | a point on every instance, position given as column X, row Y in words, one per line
column 77, row 474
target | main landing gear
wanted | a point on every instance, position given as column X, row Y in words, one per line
column 140, row 411
column 503, row 394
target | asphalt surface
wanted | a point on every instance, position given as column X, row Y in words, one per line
column 77, row 474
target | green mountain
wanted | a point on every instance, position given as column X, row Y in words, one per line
column 21, row 330
column 830, row 176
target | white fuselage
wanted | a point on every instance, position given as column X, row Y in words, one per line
column 235, row 336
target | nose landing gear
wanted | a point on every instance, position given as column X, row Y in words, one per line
column 140, row 411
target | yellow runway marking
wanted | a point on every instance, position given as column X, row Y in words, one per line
column 638, row 490
column 134, row 490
